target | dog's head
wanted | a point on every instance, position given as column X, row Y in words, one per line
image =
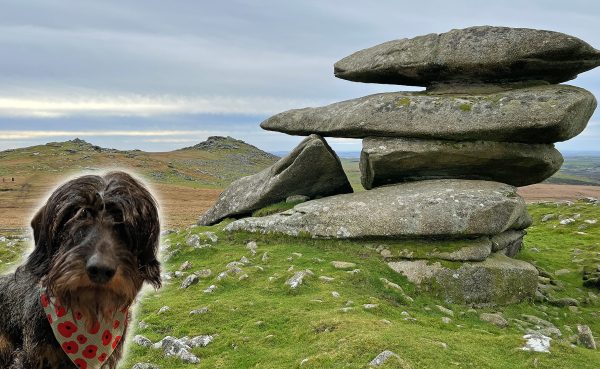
column 96, row 241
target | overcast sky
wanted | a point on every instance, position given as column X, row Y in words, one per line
column 159, row 75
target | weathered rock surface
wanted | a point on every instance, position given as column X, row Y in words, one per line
column 543, row 114
column 311, row 169
column 498, row 280
column 477, row 249
column 475, row 54
column 508, row 243
column 435, row 208
column 392, row 160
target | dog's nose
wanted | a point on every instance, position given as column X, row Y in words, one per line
column 98, row 271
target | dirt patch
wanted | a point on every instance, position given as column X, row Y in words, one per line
column 555, row 192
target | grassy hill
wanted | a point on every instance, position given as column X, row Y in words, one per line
column 259, row 322
column 213, row 163
column 187, row 181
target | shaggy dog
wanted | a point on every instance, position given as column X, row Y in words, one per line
column 67, row 306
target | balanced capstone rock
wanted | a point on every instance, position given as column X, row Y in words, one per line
column 434, row 208
column 392, row 160
column 542, row 114
column 475, row 54
column 311, row 169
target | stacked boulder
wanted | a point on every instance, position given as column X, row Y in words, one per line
column 439, row 165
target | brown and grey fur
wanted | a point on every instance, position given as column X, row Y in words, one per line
column 111, row 220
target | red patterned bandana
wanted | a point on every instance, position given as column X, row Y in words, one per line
column 87, row 348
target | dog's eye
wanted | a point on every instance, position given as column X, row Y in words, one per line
column 85, row 213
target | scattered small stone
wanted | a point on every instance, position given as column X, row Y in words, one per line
column 536, row 343
column 335, row 294
column 385, row 321
column 585, row 337
column 211, row 236
column 244, row 260
column 143, row 325
column 164, row 309
column 370, row 306
column 222, row 276
column 443, row 345
column 234, row 264
column 185, row 265
column 548, row 217
column 297, row 254
column 252, row 246
column 235, row 271
column 202, row 310
column 446, row 320
column 346, row 309
column 591, row 221
column 567, row 221
column 354, row 271
column 210, row 289
column 390, row 284
column 200, row 341
column 445, row 310
column 304, row 361
column 142, row 341
column 243, row 277
column 562, row 271
column 265, row 257
column 383, row 357
column 171, row 346
column 537, row 321
column 203, row 273
column 342, row 264
column 193, row 240
column 298, row 278
column 324, row 278
column 495, row 319
column 190, row 280
column 178, row 274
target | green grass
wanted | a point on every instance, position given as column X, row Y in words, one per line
column 261, row 323
column 275, row 208
column 11, row 251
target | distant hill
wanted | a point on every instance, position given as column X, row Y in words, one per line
column 215, row 162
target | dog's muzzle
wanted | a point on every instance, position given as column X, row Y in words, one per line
column 98, row 270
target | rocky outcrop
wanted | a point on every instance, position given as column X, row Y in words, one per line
column 436, row 208
column 312, row 169
column 475, row 54
column 439, row 165
column 542, row 114
column 391, row 160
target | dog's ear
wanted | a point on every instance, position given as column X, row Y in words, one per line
column 37, row 223
column 39, row 260
column 150, row 271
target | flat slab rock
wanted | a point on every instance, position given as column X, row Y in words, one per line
column 448, row 208
column 498, row 280
column 392, row 160
column 312, row 169
column 479, row 54
column 476, row 249
column 541, row 114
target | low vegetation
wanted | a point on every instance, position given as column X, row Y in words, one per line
column 260, row 322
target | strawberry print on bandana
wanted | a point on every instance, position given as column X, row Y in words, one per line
column 88, row 348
